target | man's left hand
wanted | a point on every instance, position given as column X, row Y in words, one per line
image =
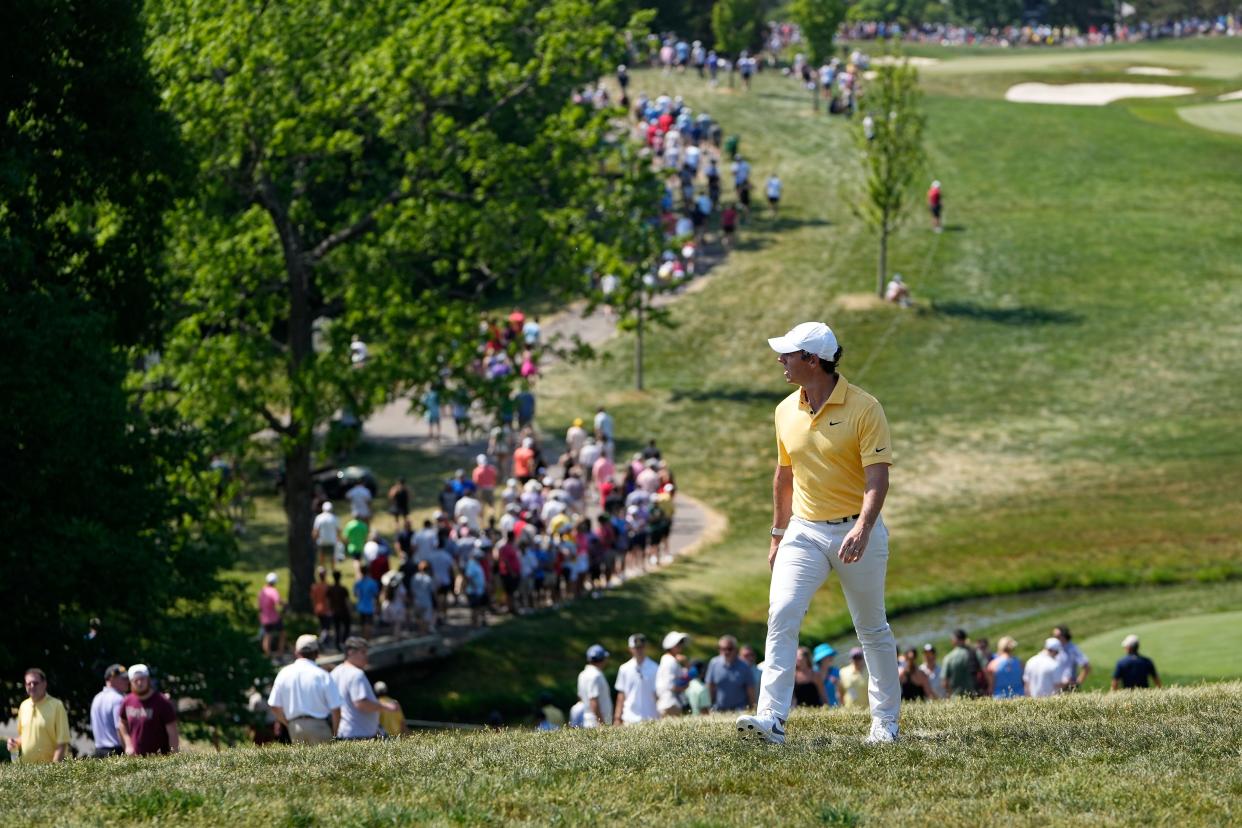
column 855, row 544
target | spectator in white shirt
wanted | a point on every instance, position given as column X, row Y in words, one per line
column 774, row 194
column 304, row 698
column 359, row 501
column 636, row 683
column 1044, row 675
column 469, row 508
column 594, row 697
column 327, row 533
column 670, row 674
column 360, row 708
column 1075, row 667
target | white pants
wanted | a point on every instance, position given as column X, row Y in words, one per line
column 806, row 555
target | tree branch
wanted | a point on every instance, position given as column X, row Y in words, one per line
column 274, row 422
column 358, row 228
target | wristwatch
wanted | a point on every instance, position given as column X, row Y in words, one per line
column 777, row 532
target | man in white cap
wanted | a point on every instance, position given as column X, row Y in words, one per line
column 1043, row 675
column 671, row 675
column 833, row 456
column 594, row 698
column 327, row 534
column 147, row 721
column 636, row 685
column 1133, row 670
column 304, row 698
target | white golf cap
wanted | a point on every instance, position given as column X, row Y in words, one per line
column 1052, row 644
column 1130, row 640
column 271, row 578
column 673, row 639
column 137, row 670
column 812, row 337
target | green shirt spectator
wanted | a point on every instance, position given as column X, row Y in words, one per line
column 356, row 532
column 961, row 668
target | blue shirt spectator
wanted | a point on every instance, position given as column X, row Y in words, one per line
column 1134, row 670
column 366, row 591
column 730, row 680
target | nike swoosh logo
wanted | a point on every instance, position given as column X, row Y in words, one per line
column 831, row 423
column 877, row 451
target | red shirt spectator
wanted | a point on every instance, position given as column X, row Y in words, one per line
column 510, row 561
column 148, row 720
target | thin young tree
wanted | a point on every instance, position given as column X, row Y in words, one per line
column 892, row 154
column 818, row 21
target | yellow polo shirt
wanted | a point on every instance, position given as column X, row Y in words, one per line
column 42, row 727
column 830, row 449
column 391, row 721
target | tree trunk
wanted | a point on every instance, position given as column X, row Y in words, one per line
column 882, row 267
column 298, row 515
column 638, row 346
column 299, row 436
column 298, row 481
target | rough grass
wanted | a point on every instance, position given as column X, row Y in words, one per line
column 1152, row 758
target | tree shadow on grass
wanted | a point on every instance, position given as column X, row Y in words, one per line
column 1021, row 315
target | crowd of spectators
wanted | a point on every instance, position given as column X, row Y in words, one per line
column 678, row 684
column 527, row 527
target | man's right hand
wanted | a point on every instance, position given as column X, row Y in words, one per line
column 776, row 543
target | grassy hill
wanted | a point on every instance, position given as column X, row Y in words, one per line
column 1063, row 397
column 1157, row 758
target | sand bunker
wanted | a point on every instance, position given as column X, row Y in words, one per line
column 858, row 301
column 1157, row 71
column 1230, row 96
column 887, row 60
column 1090, row 94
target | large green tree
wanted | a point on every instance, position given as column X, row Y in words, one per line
column 110, row 509
column 738, row 24
column 818, row 20
column 381, row 169
column 889, row 136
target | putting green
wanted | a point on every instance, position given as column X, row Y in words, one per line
column 1218, row 117
column 1188, row 649
column 1214, row 64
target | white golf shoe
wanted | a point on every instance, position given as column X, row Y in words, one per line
column 761, row 728
column 882, row 733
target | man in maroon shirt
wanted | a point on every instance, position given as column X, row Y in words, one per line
column 148, row 722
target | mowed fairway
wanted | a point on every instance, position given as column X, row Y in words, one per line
column 1063, row 396
column 1201, row 647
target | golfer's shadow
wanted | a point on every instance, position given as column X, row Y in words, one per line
column 954, row 228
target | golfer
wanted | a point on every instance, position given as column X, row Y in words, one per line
column 833, row 454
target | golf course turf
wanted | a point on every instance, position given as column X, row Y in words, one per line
column 1062, row 395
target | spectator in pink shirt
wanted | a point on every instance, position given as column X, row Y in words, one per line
column 270, row 609
column 649, row 477
column 602, row 470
